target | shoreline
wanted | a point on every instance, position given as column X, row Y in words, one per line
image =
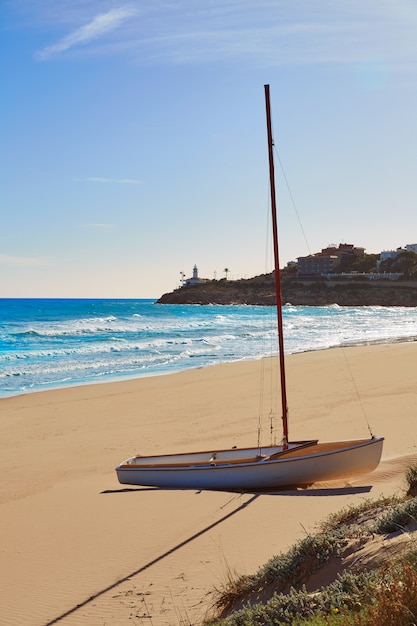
column 89, row 343
column 75, row 541
column 122, row 378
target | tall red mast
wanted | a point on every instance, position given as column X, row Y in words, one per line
column 276, row 265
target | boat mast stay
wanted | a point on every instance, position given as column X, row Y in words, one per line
column 276, row 266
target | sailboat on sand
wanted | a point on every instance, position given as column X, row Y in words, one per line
column 290, row 464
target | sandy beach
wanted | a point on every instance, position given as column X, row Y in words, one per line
column 79, row 549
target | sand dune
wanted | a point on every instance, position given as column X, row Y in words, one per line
column 78, row 548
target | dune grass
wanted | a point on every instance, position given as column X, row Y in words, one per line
column 384, row 595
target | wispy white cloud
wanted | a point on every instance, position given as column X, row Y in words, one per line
column 6, row 259
column 261, row 31
column 97, row 27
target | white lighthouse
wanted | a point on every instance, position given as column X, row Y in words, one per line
column 194, row 280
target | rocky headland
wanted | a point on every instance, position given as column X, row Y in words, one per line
column 260, row 290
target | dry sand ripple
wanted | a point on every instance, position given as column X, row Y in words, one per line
column 77, row 548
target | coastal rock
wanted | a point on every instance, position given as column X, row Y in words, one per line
column 260, row 290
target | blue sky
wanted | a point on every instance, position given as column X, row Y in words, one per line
column 134, row 142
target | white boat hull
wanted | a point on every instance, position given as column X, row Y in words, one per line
column 304, row 463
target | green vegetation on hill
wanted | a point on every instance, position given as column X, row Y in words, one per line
column 405, row 262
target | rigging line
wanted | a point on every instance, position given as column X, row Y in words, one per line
column 234, row 497
column 268, row 382
column 269, row 378
column 261, row 402
column 357, row 392
column 292, row 198
column 265, row 350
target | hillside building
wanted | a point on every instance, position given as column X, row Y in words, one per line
column 328, row 260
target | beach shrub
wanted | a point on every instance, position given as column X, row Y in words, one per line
column 397, row 517
column 347, row 593
column 287, row 570
column 395, row 598
column 358, row 514
column 383, row 596
column 411, row 479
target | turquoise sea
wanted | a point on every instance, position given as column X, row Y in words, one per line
column 50, row 343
